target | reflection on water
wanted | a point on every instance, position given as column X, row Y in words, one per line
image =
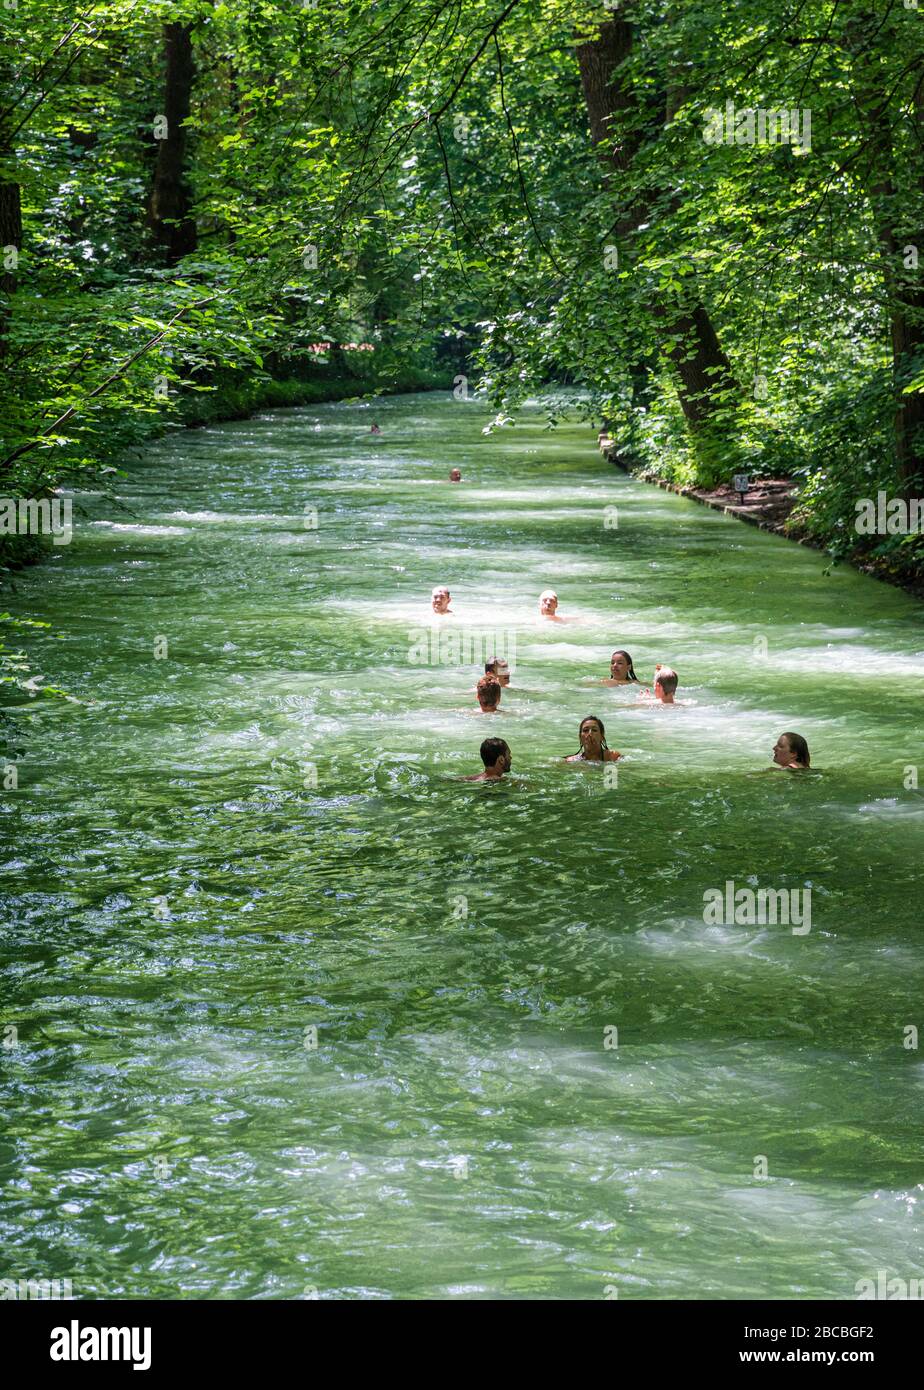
column 297, row 1009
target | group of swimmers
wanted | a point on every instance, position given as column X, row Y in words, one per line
column 663, row 686
column 440, row 599
column 790, row 750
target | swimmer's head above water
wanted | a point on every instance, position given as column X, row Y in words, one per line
column 791, row 750
column 488, row 691
column 495, row 754
column 455, row 475
column 548, row 603
column 498, row 667
column 665, row 683
column 439, row 600
column 622, row 669
column 592, row 738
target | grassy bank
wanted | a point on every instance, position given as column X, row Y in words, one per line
column 833, row 450
column 238, row 397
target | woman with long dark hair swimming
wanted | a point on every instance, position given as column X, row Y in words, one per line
column 622, row 671
column 592, row 736
column 791, row 751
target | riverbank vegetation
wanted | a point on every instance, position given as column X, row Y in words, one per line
column 706, row 220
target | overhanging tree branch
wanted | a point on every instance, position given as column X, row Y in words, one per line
column 7, row 462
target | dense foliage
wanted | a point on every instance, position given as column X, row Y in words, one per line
column 194, row 196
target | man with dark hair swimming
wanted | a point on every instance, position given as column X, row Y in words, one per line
column 495, row 754
column 498, row 667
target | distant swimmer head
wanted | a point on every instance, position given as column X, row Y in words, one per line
column 498, row 667
column 439, row 600
column 621, row 668
column 791, row 750
column 548, row 603
column 495, row 755
column 455, row 475
column 488, row 691
column 665, row 683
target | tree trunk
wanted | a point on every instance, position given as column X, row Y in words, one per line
column 702, row 367
column 608, row 96
column 906, row 323
column 10, row 235
column 169, row 216
column 704, row 375
column 905, row 293
column 908, row 333
column 908, row 358
column 10, row 247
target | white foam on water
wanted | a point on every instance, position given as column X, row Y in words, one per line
column 143, row 529
column 892, row 808
column 239, row 518
column 688, row 934
column 861, row 662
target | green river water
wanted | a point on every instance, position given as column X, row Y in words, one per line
column 182, row 907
